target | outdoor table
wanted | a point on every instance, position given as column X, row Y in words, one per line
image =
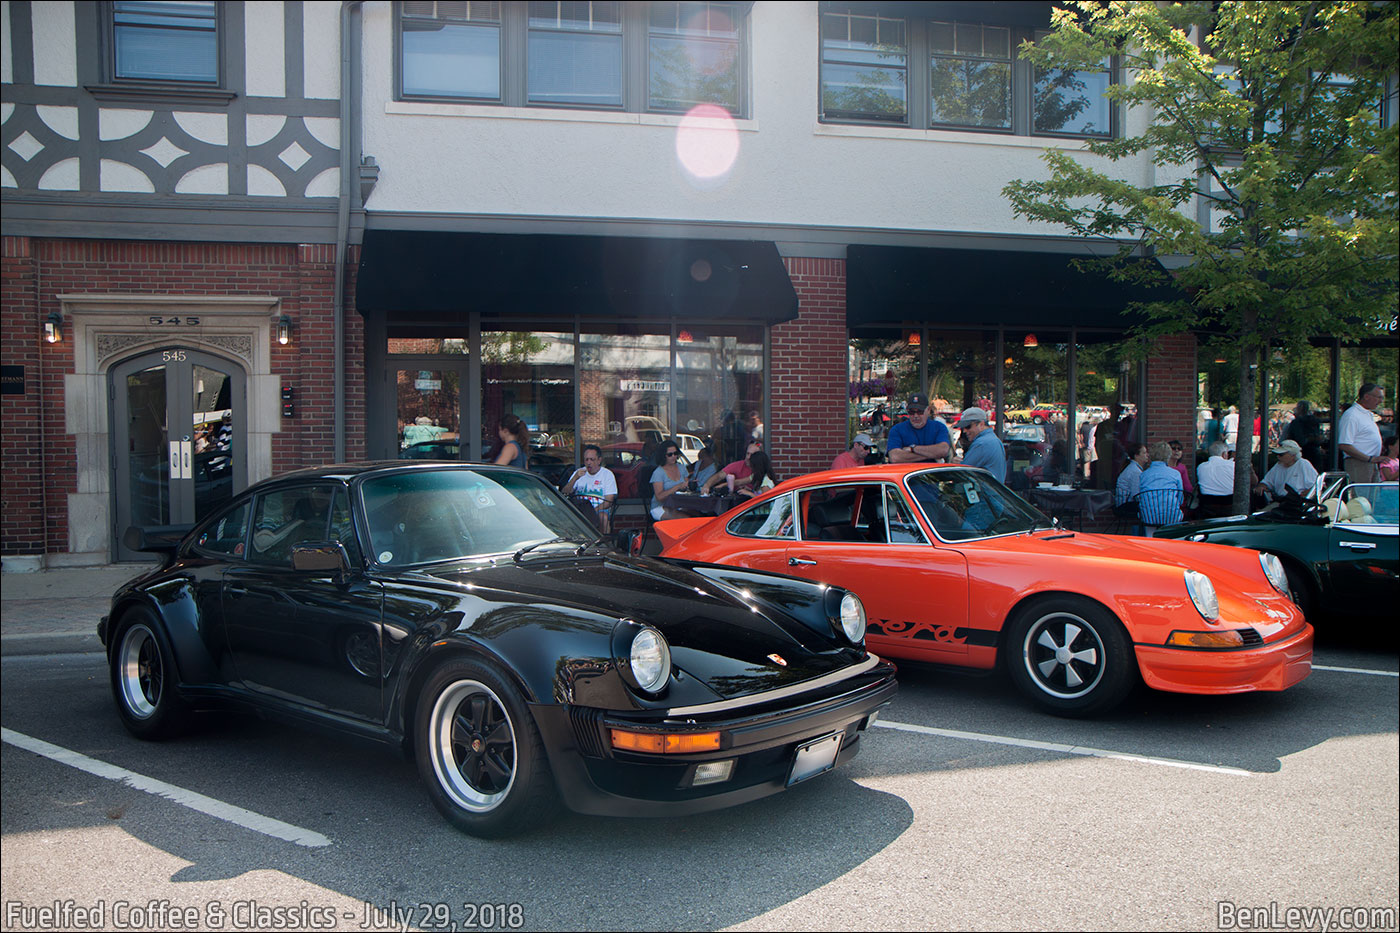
column 701, row 505
column 1068, row 503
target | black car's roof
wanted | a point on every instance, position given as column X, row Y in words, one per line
column 349, row 471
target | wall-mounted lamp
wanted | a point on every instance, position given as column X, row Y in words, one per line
column 284, row 330
column 1030, row 341
column 53, row 328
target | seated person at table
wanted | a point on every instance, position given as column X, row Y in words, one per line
column 1127, row 488
column 855, row 456
column 594, row 483
column 1290, row 471
column 761, row 476
column 917, row 439
column 668, row 478
column 739, row 469
column 705, row 466
column 1159, row 488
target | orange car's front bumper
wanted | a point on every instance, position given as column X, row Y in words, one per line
column 1275, row 666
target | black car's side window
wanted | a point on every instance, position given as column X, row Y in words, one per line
column 227, row 534
column 287, row 517
column 343, row 527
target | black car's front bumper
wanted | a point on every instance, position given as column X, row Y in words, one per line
column 762, row 740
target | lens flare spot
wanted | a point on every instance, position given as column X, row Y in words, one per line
column 707, row 142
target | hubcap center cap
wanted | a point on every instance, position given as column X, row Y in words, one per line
column 1062, row 655
column 478, row 745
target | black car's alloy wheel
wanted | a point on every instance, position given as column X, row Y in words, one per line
column 143, row 680
column 1070, row 656
column 480, row 752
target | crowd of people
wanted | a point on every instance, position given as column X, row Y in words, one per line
column 1153, row 474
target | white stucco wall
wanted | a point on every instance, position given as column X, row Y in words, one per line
column 54, row 34
column 790, row 169
column 321, row 52
column 265, row 54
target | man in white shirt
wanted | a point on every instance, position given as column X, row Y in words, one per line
column 596, row 484
column 1230, row 426
column 1290, row 471
column 1358, row 436
column 1215, row 479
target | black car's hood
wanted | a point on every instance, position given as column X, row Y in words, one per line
column 734, row 645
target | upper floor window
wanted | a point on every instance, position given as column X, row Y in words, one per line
column 1072, row 102
column 451, row 48
column 966, row 74
column 970, row 75
column 693, row 56
column 601, row 55
column 177, row 40
column 865, row 61
column 575, row 53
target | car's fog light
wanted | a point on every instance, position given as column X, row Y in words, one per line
column 712, row 772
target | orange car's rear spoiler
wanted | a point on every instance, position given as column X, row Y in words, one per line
column 669, row 532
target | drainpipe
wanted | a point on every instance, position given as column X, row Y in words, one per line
column 348, row 105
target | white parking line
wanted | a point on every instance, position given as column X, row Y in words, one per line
column 186, row 798
column 1059, row 748
column 1356, row 670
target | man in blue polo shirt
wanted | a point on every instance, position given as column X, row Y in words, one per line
column 918, row 440
column 986, row 450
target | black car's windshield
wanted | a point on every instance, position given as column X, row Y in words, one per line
column 427, row 516
column 963, row 504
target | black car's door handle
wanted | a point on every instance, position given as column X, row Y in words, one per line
column 1359, row 545
column 801, row 562
column 237, row 589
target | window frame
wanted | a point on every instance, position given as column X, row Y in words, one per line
column 109, row 43
column 513, row 59
column 919, row 67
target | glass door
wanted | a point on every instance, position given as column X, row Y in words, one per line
column 428, row 407
column 178, row 439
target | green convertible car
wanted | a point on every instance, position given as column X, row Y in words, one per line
column 1339, row 544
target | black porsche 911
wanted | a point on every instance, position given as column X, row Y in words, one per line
column 470, row 616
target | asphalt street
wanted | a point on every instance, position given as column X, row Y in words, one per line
column 965, row 809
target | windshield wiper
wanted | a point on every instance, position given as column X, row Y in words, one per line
column 559, row 539
column 600, row 539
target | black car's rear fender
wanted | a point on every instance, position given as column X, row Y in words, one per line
column 171, row 603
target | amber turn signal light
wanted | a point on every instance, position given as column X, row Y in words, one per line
column 1227, row 639
column 660, row 743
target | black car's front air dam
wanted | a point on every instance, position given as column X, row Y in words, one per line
column 762, row 746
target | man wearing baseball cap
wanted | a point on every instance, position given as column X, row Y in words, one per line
column 985, row 451
column 1290, row 471
column 855, row 457
column 918, row 440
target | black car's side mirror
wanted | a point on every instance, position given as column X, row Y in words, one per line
column 322, row 557
column 631, row 541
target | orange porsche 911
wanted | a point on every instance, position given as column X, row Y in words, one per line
column 954, row 568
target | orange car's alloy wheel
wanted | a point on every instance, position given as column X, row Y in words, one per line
column 1070, row 656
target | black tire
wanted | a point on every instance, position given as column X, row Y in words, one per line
column 1300, row 587
column 144, row 679
column 480, row 753
column 1070, row 656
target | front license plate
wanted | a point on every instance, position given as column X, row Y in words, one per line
column 815, row 757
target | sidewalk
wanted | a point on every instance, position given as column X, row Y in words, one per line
column 57, row 611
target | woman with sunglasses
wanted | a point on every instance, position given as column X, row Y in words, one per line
column 1188, row 498
column 670, row 476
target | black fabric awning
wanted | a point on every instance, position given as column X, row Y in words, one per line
column 893, row 284
column 422, row 272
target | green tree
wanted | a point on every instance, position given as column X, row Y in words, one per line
column 1269, row 116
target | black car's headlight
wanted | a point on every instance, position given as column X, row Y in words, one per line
column 853, row 618
column 642, row 655
column 1273, row 569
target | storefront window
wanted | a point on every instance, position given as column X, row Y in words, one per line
column 1106, row 406
column 1035, row 422
column 530, row 374
column 885, row 368
column 429, row 413
column 625, row 396
column 719, row 390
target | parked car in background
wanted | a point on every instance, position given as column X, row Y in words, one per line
column 955, row 569
column 1339, row 545
column 469, row 616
